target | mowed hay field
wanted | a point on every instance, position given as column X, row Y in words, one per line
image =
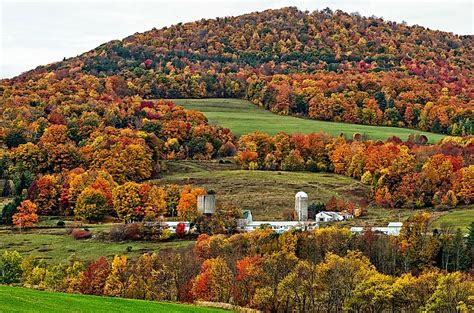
column 243, row 117
column 267, row 194
column 14, row 299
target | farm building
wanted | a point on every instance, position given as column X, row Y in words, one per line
column 248, row 224
column 301, row 206
column 392, row 229
column 329, row 216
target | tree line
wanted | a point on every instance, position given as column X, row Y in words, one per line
column 325, row 270
column 401, row 174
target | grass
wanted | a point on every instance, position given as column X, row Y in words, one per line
column 460, row 217
column 267, row 194
column 54, row 245
column 242, row 117
column 456, row 218
column 14, row 299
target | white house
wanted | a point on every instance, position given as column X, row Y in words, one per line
column 329, row 216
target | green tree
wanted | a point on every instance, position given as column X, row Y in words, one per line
column 10, row 267
column 91, row 205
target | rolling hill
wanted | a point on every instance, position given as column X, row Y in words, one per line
column 323, row 65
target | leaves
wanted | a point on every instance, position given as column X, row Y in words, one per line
column 26, row 215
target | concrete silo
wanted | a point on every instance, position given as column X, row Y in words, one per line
column 206, row 204
column 301, row 206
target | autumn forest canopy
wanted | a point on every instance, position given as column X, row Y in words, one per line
column 84, row 138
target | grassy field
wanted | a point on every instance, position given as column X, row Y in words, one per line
column 266, row 193
column 243, row 117
column 460, row 217
column 456, row 218
column 13, row 299
column 54, row 245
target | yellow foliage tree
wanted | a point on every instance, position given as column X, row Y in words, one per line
column 116, row 282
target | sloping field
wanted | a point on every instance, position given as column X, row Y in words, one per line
column 456, row 218
column 13, row 299
column 243, row 117
column 266, row 193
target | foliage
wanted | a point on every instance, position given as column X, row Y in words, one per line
column 26, row 215
column 10, row 267
column 91, row 205
column 440, row 172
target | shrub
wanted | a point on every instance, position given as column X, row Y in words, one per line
column 10, row 267
column 180, row 230
column 125, row 232
column 81, row 233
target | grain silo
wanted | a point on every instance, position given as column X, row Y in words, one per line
column 301, row 206
column 206, row 204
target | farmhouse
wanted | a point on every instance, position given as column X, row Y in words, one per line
column 329, row 216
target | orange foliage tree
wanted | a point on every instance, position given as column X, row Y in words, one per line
column 26, row 215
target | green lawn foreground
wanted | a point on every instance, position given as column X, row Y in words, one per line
column 243, row 117
column 14, row 299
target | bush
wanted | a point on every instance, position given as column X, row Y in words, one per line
column 81, row 233
column 60, row 224
column 10, row 267
column 166, row 234
column 125, row 232
column 151, row 231
column 180, row 230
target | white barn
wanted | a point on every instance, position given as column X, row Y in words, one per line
column 393, row 229
column 329, row 216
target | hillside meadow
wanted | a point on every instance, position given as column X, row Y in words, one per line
column 242, row 117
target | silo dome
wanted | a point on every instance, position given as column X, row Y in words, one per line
column 301, row 194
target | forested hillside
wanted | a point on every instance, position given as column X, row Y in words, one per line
column 323, row 65
column 95, row 139
column 76, row 129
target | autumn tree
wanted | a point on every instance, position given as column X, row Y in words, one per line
column 94, row 277
column 91, row 205
column 187, row 206
column 453, row 294
column 214, row 282
column 10, row 267
column 127, row 201
column 26, row 215
column 115, row 285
